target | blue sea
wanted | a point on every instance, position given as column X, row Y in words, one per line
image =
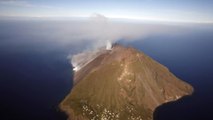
column 35, row 73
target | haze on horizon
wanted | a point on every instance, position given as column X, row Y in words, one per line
column 195, row 11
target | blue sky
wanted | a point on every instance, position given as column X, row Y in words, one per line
column 158, row 10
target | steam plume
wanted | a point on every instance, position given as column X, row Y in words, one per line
column 100, row 31
column 109, row 45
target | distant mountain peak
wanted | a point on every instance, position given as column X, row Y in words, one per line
column 122, row 84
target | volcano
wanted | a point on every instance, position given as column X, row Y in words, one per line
column 121, row 84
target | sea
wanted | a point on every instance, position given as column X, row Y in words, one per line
column 36, row 73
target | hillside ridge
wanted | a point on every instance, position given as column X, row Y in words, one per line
column 122, row 84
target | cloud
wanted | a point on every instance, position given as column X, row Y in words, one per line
column 99, row 30
column 22, row 3
column 90, row 33
column 95, row 31
column 82, row 35
column 96, row 17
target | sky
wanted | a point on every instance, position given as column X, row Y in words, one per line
column 155, row 10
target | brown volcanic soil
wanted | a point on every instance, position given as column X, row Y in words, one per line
column 122, row 84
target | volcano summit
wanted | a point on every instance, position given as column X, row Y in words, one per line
column 121, row 84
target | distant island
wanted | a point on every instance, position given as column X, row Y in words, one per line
column 120, row 83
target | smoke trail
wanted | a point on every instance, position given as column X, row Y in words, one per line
column 101, row 32
column 101, row 28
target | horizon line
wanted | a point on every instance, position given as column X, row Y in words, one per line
column 138, row 19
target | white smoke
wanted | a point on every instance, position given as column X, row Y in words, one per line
column 98, row 18
column 108, row 45
column 99, row 31
column 81, row 59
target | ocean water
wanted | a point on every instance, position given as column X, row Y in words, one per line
column 35, row 74
column 189, row 57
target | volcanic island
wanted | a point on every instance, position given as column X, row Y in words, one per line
column 120, row 83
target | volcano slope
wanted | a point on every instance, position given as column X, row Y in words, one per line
column 122, row 84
